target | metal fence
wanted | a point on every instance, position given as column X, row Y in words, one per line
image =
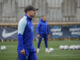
column 55, row 10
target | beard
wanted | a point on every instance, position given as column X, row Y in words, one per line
column 32, row 16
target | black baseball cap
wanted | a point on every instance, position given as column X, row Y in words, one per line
column 29, row 8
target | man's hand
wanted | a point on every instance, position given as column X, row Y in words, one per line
column 48, row 35
column 22, row 52
column 38, row 35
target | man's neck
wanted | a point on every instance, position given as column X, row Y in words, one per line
column 29, row 15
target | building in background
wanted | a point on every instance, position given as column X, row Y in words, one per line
column 55, row 10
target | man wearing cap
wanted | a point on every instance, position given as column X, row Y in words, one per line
column 25, row 48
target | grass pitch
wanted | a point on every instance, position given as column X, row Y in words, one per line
column 11, row 52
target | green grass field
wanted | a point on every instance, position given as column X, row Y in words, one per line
column 11, row 52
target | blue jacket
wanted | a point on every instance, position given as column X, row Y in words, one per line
column 42, row 27
column 25, row 33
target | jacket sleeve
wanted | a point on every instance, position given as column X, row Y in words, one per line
column 48, row 30
column 21, row 28
column 38, row 28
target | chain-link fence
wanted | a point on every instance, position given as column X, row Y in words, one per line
column 55, row 10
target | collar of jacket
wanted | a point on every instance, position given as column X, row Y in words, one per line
column 29, row 18
column 42, row 20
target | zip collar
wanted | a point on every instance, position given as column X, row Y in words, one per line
column 29, row 18
column 42, row 20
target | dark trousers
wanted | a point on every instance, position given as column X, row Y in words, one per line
column 45, row 36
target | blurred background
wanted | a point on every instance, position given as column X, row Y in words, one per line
column 55, row 10
column 63, row 13
column 63, row 17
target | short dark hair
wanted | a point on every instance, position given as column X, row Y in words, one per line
column 29, row 8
